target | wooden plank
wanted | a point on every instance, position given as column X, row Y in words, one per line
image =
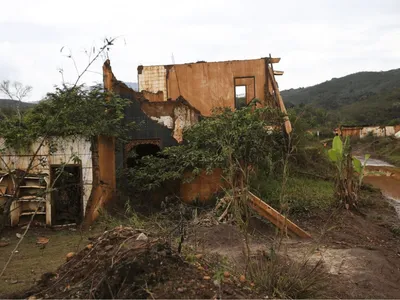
column 278, row 73
column 275, row 217
column 288, row 125
column 273, row 60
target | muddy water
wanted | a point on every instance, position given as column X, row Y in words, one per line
column 374, row 162
column 390, row 188
column 386, row 177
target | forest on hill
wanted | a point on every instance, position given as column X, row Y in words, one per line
column 364, row 98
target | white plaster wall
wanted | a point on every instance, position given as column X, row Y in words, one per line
column 390, row 130
column 153, row 79
column 166, row 121
column 376, row 131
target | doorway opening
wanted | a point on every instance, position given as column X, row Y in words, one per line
column 240, row 96
column 67, row 203
column 139, row 151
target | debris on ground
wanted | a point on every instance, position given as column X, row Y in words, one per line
column 119, row 264
column 4, row 244
column 42, row 240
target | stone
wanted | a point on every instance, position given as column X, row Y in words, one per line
column 4, row 244
column 227, row 274
column 206, row 277
column 142, row 237
column 70, row 255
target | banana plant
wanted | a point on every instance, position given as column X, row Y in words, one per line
column 347, row 188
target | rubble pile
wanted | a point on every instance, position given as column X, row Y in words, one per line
column 125, row 263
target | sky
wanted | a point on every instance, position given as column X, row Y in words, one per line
column 317, row 40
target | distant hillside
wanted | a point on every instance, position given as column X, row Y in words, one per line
column 360, row 98
column 10, row 104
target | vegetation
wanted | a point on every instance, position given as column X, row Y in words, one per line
column 358, row 99
column 347, row 187
column 236, row 141
column 67, row 112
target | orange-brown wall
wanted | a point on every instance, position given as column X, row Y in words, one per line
column 208, row 85
column 350, row 131
column 201, row 188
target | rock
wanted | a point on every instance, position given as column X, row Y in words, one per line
column 206, row 277
column 18, row 235
column 181, row 290
column 108, row 247
column 4, row 244
column 242, row 278
column 217, row 283
column 42, row 240
column 32, row 298
column 142, row 237
column 70, row 255
column 198, row 256
column 227, row 274
column 89, row 246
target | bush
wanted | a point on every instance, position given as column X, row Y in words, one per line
column 281, row 278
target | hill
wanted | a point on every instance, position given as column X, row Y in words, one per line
column 360, row 98
column 11, row 104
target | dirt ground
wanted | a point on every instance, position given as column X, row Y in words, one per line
column 359, row 251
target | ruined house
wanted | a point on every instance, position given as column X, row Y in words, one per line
column 170, row 98
column 207, row 85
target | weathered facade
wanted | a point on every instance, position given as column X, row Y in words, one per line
column 207, row 85
column 73, row 156
column 171, row 98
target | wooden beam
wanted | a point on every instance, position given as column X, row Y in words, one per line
column 280, row 221
column 288, row 125
column 278, row 73
column 273, row 60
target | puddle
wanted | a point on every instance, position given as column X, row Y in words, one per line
column 374, row 162
column 386, row 177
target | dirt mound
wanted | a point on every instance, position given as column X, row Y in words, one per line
column 124, row 263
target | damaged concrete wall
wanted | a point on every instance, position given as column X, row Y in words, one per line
column 153, row 79
column 66, row 149
column 174, row 115
column 207, row 85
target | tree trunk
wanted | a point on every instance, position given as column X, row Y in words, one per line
column 95, row 181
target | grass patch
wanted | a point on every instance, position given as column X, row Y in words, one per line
column 302, row 194
column 31, row 261
column 282, row 278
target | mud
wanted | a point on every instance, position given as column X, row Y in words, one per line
column 123, row 263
